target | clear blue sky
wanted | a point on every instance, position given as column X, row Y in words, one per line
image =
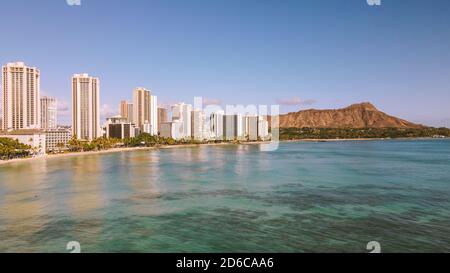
column 328, row 53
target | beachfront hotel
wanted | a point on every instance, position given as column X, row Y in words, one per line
column 20, row 97
column 119, row 127
column 126, row 110
column 48, row 113
column 183, row 112
column 163, row 116
column 198, row 124
column 145, row 111
column 57, row 139
column 253, row 128
column 233, row 127
column 86, row 107
column 172, row 129
column 216, row 125
column 35, row 138
column 258, row 128
column 263, row 128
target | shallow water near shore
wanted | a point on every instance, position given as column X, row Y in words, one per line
column 304, row 197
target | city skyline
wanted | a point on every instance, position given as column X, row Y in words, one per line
column 32, row 116
column 306, row 57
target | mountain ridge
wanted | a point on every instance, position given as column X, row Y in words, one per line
column 359, row 115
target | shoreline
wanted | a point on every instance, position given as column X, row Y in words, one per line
column 132, row 149
column 118, row 150
column 70, row 154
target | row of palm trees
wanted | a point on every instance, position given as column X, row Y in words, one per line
column 76, row 145
column 143, row 140
column 12, row 148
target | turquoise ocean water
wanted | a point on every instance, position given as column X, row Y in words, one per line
column 304, row 197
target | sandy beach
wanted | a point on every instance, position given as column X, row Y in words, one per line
column 119, row 150
column 51, row 156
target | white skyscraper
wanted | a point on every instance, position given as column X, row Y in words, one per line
column 86, row 107
column 145, row 108
column 263, row 128
column 183, row 113
column 198, row 121
column 233, row 127
column 258, row 128
column 173, row 129
column 154, row 115
column 245, row 127
column 20, row 97
column 48, row 113
column 253, row 128
column 163, row 116
column 216, row 125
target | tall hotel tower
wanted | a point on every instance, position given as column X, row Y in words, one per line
column 145, row 108
column 48, row 113
column 216, row 125
column 126, row 110
column 183, row 113
column 20, row 97
column 85, row 107
column 163, row 116
column 197, row 124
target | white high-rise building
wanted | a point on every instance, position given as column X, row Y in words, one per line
column 86, row 107
column 229, row 127
column 163, row 116
column 263, row 128
column 154, row 115
column 253, row 128
column 173, row 129
column 216, row 125
column 258, row 128
column 245, row 127
column 145, row 111
column 198, row 121
column 183, row 113
column 20, row 97
column 207, row 134
column 48, row 113
column 233, row 127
